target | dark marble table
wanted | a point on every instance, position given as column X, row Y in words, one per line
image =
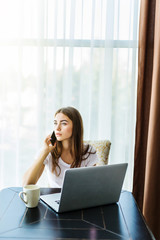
column 121, row 221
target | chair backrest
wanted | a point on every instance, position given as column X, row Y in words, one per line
column 103, row 148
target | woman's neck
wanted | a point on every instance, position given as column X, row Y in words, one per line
column 66, row 152
column 66, row 145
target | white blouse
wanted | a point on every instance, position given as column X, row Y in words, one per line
column 57, row 181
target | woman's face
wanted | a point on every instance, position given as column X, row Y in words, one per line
column 63, row 127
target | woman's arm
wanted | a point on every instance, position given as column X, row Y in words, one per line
column 32, row 175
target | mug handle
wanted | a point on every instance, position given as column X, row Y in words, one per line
column 20, row 195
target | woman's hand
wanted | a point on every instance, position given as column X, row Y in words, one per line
column 48, row 145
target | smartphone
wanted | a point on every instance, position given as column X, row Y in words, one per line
column 53, row 138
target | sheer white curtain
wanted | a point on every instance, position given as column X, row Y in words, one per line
column 56, row 53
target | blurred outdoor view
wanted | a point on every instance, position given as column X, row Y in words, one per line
column 56, row 53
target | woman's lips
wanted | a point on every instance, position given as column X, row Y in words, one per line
column 58, row 134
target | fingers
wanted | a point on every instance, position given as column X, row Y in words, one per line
column 47, row 139
column 48, row 143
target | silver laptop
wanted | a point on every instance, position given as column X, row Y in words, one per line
column 88, row 187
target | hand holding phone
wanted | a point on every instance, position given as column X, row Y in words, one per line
column 53, row 138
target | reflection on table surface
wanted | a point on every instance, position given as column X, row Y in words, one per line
column 116, row 221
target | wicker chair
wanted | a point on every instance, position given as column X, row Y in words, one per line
column 103, row 148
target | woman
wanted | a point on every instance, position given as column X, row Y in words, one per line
column 67, row 152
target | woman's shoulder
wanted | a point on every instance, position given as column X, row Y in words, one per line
column 48, row 159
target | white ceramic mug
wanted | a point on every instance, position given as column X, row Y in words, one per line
column 30, row 195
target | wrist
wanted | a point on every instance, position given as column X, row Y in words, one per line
column 45, row 151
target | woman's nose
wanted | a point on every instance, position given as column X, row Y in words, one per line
column 58, row 127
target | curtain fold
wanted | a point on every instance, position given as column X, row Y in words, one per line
column 146, row 185
column 145, row 63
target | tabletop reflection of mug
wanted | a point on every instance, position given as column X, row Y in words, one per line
column 30, row 195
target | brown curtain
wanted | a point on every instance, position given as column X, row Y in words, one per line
column 146, row 183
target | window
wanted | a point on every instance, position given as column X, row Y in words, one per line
column 66, row 52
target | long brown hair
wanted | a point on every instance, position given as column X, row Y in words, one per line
column 77, row 149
